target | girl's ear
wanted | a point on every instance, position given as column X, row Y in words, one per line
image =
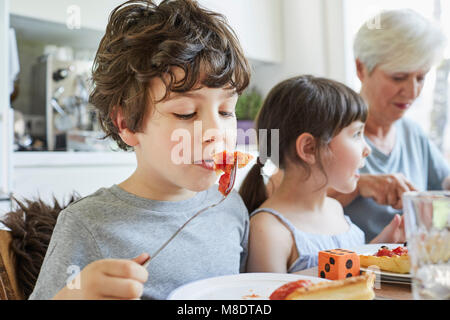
column 127, row 136
column 306, row 148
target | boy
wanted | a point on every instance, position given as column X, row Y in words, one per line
column 159, row 69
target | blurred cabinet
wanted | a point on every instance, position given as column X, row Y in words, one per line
column 256, row 22
column 5, row 110
column 46, row 175
column 91, row 14
column 5, row 206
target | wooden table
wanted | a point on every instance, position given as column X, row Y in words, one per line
column 383, row 291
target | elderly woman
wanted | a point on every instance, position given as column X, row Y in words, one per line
column 392, row 63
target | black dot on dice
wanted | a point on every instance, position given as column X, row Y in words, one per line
column 331, row 260
column 327, row 267
column 349, row 264
column 322, row 274
column 348, row 275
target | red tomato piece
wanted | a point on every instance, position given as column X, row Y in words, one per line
column 244, row 158
column 282, row 292
column 401, row 251
column 384, row 252
column 224, row 161
column 224, row 181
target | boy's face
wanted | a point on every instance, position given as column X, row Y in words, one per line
column 348, row 149
column 181, row 133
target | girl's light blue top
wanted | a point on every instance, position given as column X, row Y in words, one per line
column 309, row 244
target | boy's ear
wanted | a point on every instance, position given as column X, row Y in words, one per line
column 127, row 136
column 306, row 148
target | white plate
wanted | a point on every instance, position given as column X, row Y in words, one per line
column 244, row 286
column 386, row 276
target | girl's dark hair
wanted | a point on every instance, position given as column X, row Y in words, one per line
column 319, row 106
column 144, row 40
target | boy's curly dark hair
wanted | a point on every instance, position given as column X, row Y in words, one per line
column 31, row 225
column 144, row 40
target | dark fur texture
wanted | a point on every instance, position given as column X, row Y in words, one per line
column 31, row 225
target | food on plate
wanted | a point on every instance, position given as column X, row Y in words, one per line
column 396, row 260
column 354, row 288
column 282, row 292
column 251, row 296
column 223, row 164
column 338, row 264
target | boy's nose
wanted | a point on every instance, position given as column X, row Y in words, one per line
column 212, row 134
column 212, row 130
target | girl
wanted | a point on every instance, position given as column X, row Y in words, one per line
column 321, row 146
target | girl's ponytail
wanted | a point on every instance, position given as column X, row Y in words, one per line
column 253, row 190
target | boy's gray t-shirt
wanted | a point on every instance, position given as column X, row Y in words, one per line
column 115, row 224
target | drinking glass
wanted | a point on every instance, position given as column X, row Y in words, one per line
column 427, row 226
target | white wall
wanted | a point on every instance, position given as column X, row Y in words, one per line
column 307, row 35
column 257, row 24
column 93, row 13
column 318, row 39
column 335, row 40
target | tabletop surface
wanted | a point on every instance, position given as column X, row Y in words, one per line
column 383, row 291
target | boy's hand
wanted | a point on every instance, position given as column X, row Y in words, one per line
column 394, row 232
column 109, row 279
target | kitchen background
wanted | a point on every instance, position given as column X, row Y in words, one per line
column 49, row 143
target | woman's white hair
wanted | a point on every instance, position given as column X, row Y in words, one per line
column 399, row 41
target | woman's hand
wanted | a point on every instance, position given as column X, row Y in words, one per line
column 394, row 232
column 385, row 189
column 108, row 279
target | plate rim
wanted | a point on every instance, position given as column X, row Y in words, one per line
column 388, row 273
column 288, row 277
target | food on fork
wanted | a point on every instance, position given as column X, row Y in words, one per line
column 354, row 288
column 338, row 264
column 224, row 160
column 396, row 260
column 223, row 164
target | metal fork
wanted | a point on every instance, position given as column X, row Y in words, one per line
column 227, row 191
